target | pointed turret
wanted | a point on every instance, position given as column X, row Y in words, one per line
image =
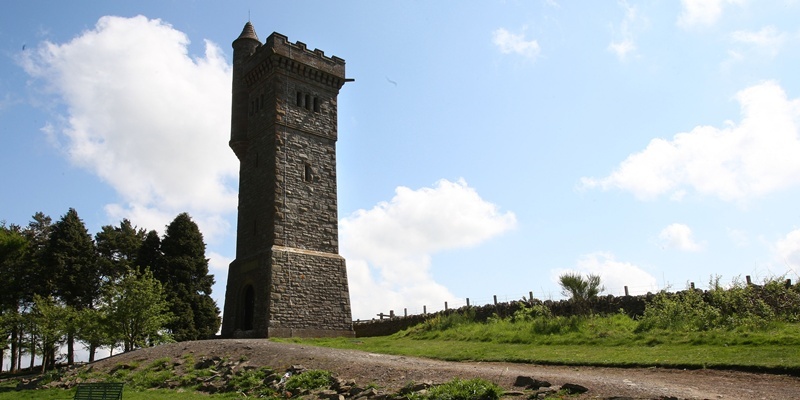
column 243, row 47
column 248, row 32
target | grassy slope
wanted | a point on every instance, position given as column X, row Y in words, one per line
column 597, row 341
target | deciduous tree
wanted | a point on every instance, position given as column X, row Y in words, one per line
column 137, row 310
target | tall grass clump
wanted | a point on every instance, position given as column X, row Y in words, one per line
column 433, row 328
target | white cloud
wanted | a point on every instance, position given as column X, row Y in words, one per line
column 631, row 23
column 768, row 39
column 614, row 275
column 787, row 251
column 734, row 163
column 218, row 263
column 679, row 237
column 389, row 247
column 511, row 43
column 702, row 12
column 145, row 117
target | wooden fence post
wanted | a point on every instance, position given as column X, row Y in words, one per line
column 626, row 291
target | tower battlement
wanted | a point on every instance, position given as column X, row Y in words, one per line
column 279, row 52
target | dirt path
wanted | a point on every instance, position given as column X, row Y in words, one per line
column 393, row 372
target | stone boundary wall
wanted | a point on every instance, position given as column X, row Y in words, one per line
column 631, row 305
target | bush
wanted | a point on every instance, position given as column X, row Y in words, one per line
column 251, row 382
column 741, row 306
column 458, row 389
column 310, row 380
column 682, row 311
column 528, row 313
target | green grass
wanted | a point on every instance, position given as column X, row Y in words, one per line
column 592, row 341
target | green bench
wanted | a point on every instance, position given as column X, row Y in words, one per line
column 99, row 391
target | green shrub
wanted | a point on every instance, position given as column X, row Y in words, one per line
column 252, row 382
column 458, row 389
column 683, row 311
column 527, row 313
column 312, row 379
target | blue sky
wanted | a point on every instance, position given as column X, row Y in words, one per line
column 484, row 147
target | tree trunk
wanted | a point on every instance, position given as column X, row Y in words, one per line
column 70, row 348
column 14, row 349
column 92, row 349
column 33, row 352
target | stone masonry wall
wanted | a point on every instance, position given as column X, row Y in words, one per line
column 309, row 291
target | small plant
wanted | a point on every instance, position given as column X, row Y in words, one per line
column 528, row 313
column 580, row 290
column 310, row 380
column 459, row 389
column 252, row 382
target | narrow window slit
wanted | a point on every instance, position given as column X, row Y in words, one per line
column 309, row 173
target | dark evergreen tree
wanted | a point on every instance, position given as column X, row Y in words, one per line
column 36, row 278
column 71, row 259
column 150, row 256
column 13, row 248
column 184, row 273
column 32, row 279
column 118, row 248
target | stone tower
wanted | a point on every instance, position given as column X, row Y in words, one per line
column 288, row 278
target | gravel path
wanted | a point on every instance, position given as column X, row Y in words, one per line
column 393, row 372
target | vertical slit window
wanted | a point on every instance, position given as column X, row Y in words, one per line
column 308, row 174
column 299, row 99
column 308, row 101
column 316, row 104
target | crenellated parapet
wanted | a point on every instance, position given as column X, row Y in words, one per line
column 278, row 53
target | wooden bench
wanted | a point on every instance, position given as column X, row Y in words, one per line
column 99, row 391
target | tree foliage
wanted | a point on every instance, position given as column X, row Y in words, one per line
column 580, row 290
column 51, row 320
column 58, row 285
column 184, row 271
column 70, row 257
column 118, row 248
column 137, row 310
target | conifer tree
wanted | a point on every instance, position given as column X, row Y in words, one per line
column 13, row 248
column 149, row 255
column 184, row 273
column 118, row 248
column 71, row 259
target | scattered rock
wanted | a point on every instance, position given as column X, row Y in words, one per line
column 572, row 388
column 530, row 382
